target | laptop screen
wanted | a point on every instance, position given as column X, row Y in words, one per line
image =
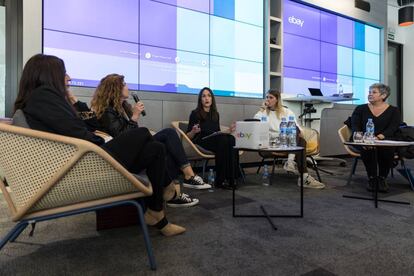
column 315, row 91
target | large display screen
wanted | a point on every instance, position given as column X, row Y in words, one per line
column 330, row 52
column 175, row 46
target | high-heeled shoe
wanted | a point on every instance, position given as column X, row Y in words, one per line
column 158, row 220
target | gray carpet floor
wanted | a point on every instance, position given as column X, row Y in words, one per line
column 336, row 236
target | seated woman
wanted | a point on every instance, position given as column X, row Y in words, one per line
column 116, row 116
column 44, row 101
column 205, row 120
column 274, row 110
column 387, row 120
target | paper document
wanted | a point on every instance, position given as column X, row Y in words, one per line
column 213, row 134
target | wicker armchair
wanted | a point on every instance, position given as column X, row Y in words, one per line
column 52, row 176
column 344, row 134
column 195, row 152
column 311, row 137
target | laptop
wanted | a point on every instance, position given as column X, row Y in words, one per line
column 315, row 92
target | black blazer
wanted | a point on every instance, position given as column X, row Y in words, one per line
column 47, row 110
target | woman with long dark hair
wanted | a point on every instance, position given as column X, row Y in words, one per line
column 44, row 100
column 205, row 120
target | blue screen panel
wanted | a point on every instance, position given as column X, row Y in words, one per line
column 159, row 45
column 346, row 55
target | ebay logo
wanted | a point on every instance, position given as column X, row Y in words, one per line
column 296, row 21
column 243, row 135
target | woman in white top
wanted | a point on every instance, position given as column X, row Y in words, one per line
column 274, row 111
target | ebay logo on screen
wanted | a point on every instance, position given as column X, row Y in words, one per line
column 341, row 55
column 296, row 21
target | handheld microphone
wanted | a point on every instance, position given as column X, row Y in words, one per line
column 136, row 99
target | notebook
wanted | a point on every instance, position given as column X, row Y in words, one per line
column 315, row 92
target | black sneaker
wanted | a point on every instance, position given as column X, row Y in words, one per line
column 225, row 185
column 196, row 182
column 371, row 184
column 183, row 200
column 382, row 185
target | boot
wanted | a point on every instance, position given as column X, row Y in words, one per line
column 371, row 184
column 158, row 220
column 382, row 185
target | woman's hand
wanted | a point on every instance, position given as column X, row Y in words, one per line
column 380, row 137
column 232, row 128
column 196, row 129
column 72, row 98
column 137, row 110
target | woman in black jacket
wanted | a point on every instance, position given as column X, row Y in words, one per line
column 43, row 99
column 116, row 116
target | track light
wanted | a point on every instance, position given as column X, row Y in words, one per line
column 406, row 16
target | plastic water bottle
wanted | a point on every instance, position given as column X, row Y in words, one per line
column 283, row 133
column 265, row 176
column 291, row 136
column 370, row 131
column 211, row 179
column 340, row 90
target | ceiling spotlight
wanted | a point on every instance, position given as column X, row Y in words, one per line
column 406, row 16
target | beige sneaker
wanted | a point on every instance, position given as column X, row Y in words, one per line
column 310, row 182
column 290, row 166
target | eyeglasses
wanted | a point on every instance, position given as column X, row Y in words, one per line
column 370, row 92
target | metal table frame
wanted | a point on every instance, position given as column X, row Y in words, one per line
column 266, row 215
column 375, row 146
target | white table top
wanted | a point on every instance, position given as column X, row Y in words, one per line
column 271, row 149
column 382, row 143
column 316, row 99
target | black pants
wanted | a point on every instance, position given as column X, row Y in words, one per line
column 176, row 158
column 301, row 142
column 222, row 146
column 137, row 150
column 385, row 157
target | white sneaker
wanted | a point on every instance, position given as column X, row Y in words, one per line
column 196, row 182
column 310, row 182
column 184, row 200
column 290, row 166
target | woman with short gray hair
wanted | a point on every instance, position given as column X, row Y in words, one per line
column 382, row 88
column 386, row 120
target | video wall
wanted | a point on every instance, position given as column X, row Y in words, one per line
column 330, row 52
column 175, row 46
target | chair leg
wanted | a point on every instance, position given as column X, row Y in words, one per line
column 315, row 167
column 407, row 173
column 17, row 233
column 14, row 233
column 273, row 167
column 205, row 162
column 260, row 166
column 242, row 174
column 354, row 165
column 144, row 228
